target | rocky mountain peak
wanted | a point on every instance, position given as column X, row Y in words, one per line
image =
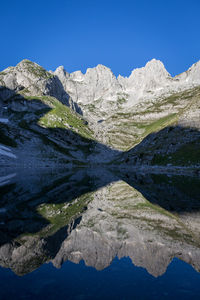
column 25, row 62
column 97, row 83
column 192, row 75
column 155, row 64
column 98, row 89
column 100, row 71
column 77, row 76
column 32, row 79
column 150, row 78
column 60, row 72
column 31, row 69
column 153, row 69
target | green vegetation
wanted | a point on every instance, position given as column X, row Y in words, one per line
column 61, row 116
column 58, row 115
column 37, row 70
column 54, row 116
column 129, row 133
column 158, row 124
column 121, row 101
column 91, row 107
column 46, row 141
column 146, row 206
column 59, row 215
column 3, row 73
column 134, row 129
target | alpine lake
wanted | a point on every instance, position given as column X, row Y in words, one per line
column 95, row 233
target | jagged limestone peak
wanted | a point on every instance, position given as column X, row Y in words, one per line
column 155, row 64
column 98, row 82
column 60, row 72
column 99, row 68
column 153, row 69
column 100, row 72
column 192, row 75
column 148, row 78
column 77, row 76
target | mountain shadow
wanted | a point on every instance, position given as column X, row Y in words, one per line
column 26, row 191
column 175, row 145
column 43, row 129
column 32, row 195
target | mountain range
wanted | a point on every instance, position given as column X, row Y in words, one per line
column 148, row 118
column 145, row 124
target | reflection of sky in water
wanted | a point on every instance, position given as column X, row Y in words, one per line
column 121, row 280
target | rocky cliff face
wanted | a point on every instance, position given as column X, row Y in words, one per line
column 34, row 79
column 151, row 78
column 41, row 131
column 120, row 112
column 99, row 85
column 96, row 83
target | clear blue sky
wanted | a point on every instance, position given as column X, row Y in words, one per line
column 121, row 34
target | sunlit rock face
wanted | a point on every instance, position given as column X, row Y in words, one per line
column 36, row 80
column 192, row 75
column 99, row 85
column 96, row 83
column 120, row 112
column 150, row 78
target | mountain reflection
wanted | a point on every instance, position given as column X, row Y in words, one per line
column 95, row 215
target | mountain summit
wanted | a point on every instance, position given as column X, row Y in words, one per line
column 95, row 116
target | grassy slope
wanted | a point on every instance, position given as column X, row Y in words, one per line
column 60, row 116
column 54, row 116
column 131, row 128
column 51, row 115
column 188, row 149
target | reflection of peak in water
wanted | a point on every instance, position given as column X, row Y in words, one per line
column 117, row 219
column 174, row 193
column 121, row 222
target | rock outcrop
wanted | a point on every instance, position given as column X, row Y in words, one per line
column 100, row 85
column 118, row 112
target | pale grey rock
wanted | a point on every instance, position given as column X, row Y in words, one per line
column 147, row 79
column 97, row 83
column 110, row 105
column 34, row 79
column 100, row 94
column 192, row 75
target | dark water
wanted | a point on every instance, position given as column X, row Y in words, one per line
column 98, row 234
column 121, row 280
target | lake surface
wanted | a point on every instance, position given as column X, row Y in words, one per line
column 98, row 234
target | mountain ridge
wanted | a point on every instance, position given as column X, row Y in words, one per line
column 120, row 112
